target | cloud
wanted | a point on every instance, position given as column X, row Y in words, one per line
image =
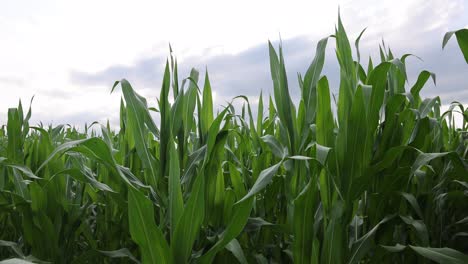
column 449, row 67
column 10, row 80
column 244, row 73
column 248, row 72
column 144, row 72
column 77, row 119
column 417, row 27
column 57, row 94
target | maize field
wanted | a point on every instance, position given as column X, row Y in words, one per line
column 375, row 174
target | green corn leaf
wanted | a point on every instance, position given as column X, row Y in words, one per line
column 275, row 146
column 15, row 261
column 14, row 246
column 139, row 120
column 311, row 79
column 165, row 114
column 119, row 253
column 414, row 203
column 462, row 39
column 365, row 243
column 421, row 81
column 419, row 227
column 190, row 222
column 263, row 180
column 325, row 124
column 148, row 236
column 237, row 251
column 304, row 215
column 206, row 114
column 176, row 203
column 441, row 255
column 235, row 226
column 282, row 97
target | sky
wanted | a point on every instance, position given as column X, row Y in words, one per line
column 69, row 53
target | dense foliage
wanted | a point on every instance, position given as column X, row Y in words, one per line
column 378, row 176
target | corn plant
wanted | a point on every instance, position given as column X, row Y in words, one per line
column 378, row 175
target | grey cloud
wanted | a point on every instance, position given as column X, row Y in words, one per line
column 244, row 73
column 9, row 80
column 248, row 72
column 449, row 67
column 57, row 93
column 145, row 72
column 75, row 119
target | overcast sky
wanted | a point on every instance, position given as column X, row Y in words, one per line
column 69, row 53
